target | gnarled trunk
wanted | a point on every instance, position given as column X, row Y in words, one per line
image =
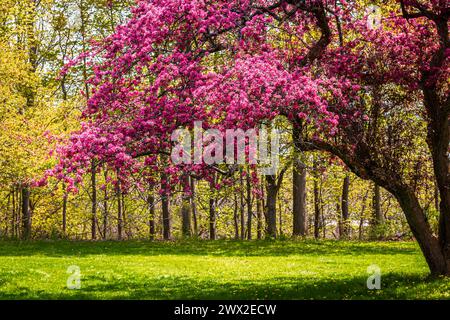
column 421, row 230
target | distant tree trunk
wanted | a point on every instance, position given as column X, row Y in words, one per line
column 126, row 225
column 280, row 217
column 242, row 205
column 317, row 201
column 249, row 208
column 30, row 96
column 323, row 221
column 361, row 220
column 263, row 205
column 259, row 225
column 105, row 207
column 235, row 218
column 186, row 208
column 94, row 202
column 7, row 214
column 26, row 214
column 13, row 213
column 119, row 212
column 165, row 207
column 194, row 207
column 165, row 203
column 151, row 213
column 378, row 218
column 64, row 212
column 345, row 232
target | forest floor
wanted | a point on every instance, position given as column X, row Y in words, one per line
column 216, row 270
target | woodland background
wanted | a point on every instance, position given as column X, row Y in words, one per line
column 39, row 108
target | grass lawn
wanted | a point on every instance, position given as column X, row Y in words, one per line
column 216, row 270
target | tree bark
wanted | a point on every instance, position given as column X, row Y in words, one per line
column 119, row 212
column 165, row 206
column 361, row 220
column 94, row 201
column 242, row 205
column 64, row 212
column 345, row 232
column 151, row 214
column 249, row 208
column 194, row 207
column 186, row 208
column 271, row 207
column 165, row 203
column 259, row 213
column 317, row 201
column 378, row 214
column 105, row 207
column 26, row 214
column 421, row 230
column 438, row 141
column 235, row 218
column 212, row 210
column 299, row 200
column 298, row 187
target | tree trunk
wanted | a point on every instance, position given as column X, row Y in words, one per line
column 165, row 207
column 378, row 214
column 299, row 199
column 298, row 186
column 151, row 213
column 259, row 225
column 212, row 210
column 378, row 218
column 271, row 206
column 94, row 202
column 165, row 203
column 26, row 214
column 361, row 220
column 235, row 218
column 438, row 140
column 345, row 232
column 186, row 208
column 212, row 219
column 241, row 204
column 13, row 213
column 429, row 244
column 194, row 207
column 436, row 196
column 249, row 208
column 105, row 208
column 126, row 225
column 64, row 212
column 119, row 212
column 316, row 209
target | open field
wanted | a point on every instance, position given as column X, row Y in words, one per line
column 216, row 270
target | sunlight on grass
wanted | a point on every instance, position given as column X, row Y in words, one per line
column 216, row 270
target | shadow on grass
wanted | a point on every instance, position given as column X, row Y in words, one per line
column 211, row 248
column 395, row 286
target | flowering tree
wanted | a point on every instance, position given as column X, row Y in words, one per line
column 403, row 68
column 318, row 63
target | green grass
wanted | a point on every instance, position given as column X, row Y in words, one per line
column 216, row 270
